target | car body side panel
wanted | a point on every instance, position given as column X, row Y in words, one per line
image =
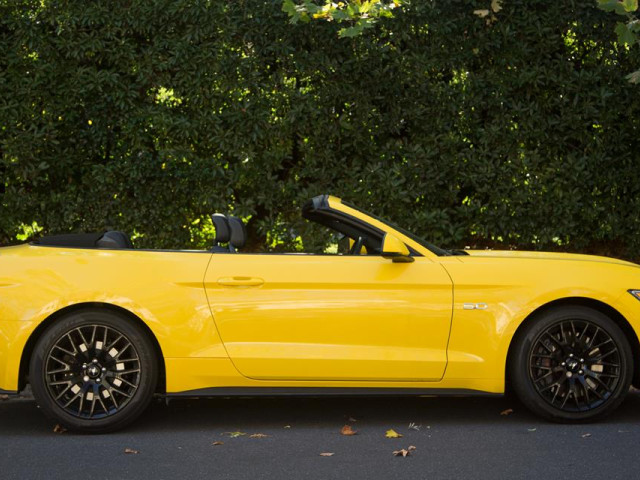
column 513, row 288
column 164, row 289
column 332, row 317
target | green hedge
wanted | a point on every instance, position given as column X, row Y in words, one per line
column 517, row 129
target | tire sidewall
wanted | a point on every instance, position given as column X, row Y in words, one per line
column 148, row 371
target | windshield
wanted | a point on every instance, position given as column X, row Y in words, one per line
column 437, row 250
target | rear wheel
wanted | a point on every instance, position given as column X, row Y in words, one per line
column 571, row 364
column 93, row 371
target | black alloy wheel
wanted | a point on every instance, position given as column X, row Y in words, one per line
column 571, row 364
column 93, row 371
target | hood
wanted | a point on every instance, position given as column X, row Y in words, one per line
column 547, row 256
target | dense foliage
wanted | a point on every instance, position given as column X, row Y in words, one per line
column 469, row 122
column 627, row 31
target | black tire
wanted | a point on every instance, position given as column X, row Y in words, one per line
column 80, row 359
column 558, row 373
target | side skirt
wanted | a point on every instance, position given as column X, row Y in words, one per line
column 8, row 392
column 327, row 392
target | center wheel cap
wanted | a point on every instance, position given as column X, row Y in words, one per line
column 572, row 364
column 94, row 371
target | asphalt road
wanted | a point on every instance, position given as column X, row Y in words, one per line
column 459, row 438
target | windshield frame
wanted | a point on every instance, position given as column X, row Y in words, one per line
column 441, row 252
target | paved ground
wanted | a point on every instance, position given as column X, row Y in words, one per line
column 460, row 438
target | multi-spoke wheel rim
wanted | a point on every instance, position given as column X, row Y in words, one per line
column 575, row 365
column 92, row 371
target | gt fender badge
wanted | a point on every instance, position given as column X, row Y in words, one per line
column 475, row 306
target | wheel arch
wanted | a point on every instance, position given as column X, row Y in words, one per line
column 51, row 319
column 598, row 305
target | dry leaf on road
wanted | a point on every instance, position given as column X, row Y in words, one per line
column 506, row 412
column 59, row 429
column 258, row 435
column 393, row 434
column 235, row 434
column 586, row 435
column 131, row 451
column 413, row 426
column 217, row 443
column 405, row 452
column 348, row 431
column 327, row 454
column 351, row 419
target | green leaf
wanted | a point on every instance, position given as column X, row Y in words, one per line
column 625, row 35
column 634, row 77
column 351, row 31
column 607, row 5
column 621, row 8
column 289, row 7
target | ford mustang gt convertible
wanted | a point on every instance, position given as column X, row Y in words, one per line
column 97, row 328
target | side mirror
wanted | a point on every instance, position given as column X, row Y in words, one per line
column 394, row 249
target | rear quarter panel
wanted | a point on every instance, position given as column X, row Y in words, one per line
column 164, row 289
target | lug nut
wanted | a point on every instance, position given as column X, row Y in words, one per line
column 84, row 365
column 98, row 380
column 569, row 374
column 95, row 360
column 581, row 372
column 571, row 355
column 104, row 370
column 563, row 364
column 86, row 378
column 582, row 359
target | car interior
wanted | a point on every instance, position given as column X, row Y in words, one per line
column 353, row 237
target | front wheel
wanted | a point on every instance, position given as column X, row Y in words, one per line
column 93, row 371
column 571, row 364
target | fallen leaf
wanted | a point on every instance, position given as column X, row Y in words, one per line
column 351, row 419
column 131, row 451
column 215, row 444
column 59, row 429
column 531, row 429
column 586, row 435
column 495, row 5
column 258, row 435
column 287, row 426
column 393, row 434
column 348, row 431
column 235, row 434
column 327, row 454
column 405, row 452
column 413, row 426
column 506, row 412
column 481, row 13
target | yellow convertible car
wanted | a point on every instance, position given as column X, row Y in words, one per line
column 97, row 328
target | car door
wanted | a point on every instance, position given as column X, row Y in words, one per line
column 331, row 317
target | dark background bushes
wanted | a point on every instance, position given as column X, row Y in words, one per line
column 514, row 130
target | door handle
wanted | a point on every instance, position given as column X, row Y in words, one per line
column 240, row 281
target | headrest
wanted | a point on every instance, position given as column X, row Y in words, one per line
column 238, row 232
column 222, row 228
column 114, row 239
